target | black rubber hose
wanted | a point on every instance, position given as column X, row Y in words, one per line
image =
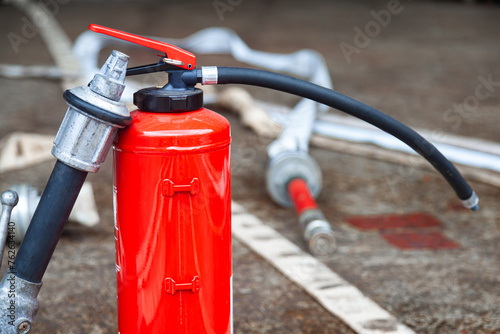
column 284, row 83
column 48, row 221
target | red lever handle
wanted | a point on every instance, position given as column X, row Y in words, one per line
column 180, row 57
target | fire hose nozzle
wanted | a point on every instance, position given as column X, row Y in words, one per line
column 472, row 202
column 317, row 231
column 93, row 117
column 293, row 180
column 318, row 234
column 287, row 166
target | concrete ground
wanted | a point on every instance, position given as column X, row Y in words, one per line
column 427, row 58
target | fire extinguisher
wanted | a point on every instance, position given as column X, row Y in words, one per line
column 172, row 200
column 173, row 216
column 172, row 192
column 173, row 209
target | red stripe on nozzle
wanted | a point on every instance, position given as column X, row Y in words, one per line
column 301, row 196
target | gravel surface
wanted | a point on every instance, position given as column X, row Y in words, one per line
column 429, row 58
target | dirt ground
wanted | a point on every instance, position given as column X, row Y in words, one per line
column 428, row 58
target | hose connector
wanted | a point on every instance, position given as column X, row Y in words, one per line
column 318, row 234
column 289, row 165
column 93, row 117
column 472, row 202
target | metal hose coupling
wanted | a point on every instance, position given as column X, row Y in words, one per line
column 318, row 234
column 293, row 180
column 19, row 304
column 472, row 202
column 93, row 117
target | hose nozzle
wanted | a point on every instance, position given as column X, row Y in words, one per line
column 318, row 234
column 317, row 231
column 93, row 118
column 472, row 202
column 109, row 82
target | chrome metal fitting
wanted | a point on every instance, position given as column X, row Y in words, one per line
column 286, row 166
column 109, row 82
column 209, row 75
column 472, row 202
column 93, row 117
column 318, row 234
column 18, row 304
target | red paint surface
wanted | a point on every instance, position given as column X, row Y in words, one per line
column 301, row 196
column 413, row 231
column 173, row 224
column 416, row 220
column 419, row 240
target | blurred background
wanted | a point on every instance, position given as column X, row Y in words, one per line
column 433, row 65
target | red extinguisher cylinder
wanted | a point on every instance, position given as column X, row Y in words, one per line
column 173, row 223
